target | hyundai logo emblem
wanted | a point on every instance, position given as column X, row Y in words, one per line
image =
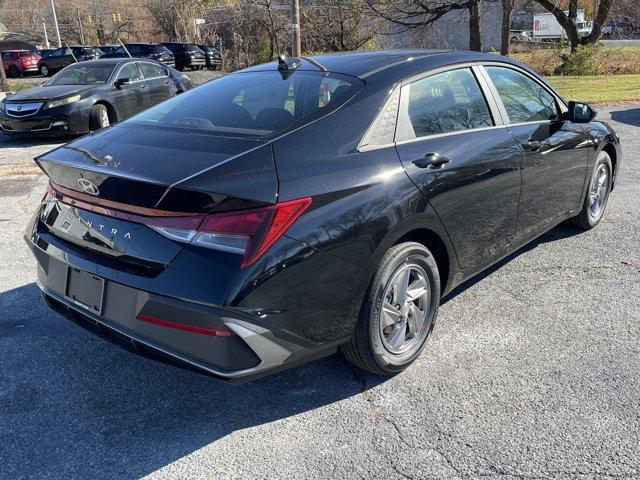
column 88, row 186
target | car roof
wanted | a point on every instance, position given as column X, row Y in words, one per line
column 109, row 61
column 394, row 65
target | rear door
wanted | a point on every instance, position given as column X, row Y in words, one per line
column 555, row 151
column 160, row 87
column 453, row 146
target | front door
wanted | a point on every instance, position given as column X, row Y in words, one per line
column 130, row 98
column 158, row 82
column 467, row 166
column 555, row 151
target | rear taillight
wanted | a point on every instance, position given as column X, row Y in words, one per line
column 249, row 233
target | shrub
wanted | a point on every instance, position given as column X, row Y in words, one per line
column 584, row 61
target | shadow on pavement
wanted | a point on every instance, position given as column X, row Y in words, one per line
column 7, row 141
column 557, row 233
column 74, row 406
column 630, row 116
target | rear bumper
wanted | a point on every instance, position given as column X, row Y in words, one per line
column 248, row 349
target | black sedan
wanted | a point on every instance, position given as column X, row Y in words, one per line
column 285, row 211
column 63, row 56
column 90, row 95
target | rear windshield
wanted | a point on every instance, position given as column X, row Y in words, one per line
column 26, row 54
column 160, row 49
column 255, row 104
column 193, row 48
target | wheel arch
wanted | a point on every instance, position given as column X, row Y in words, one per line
column 611, row 150
column 111, row 111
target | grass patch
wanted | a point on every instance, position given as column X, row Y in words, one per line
column 606, row 61
column 599, row 88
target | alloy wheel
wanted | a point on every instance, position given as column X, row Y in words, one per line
column 598, row 191
column 403, row 322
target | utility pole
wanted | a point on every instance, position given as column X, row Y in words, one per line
column 55, row 23
column 46, row 37
column 295, row 28
column 80, row 28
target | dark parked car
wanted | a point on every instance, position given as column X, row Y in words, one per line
column 281, row 212
column 213, row 56
column 187, row 55
column 90, row 95
column 145, row 50
column 108, row 49
column 18, row 62
column 63, row 56
column 45, row 52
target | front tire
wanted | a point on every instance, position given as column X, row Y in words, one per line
column 98, row 117
column 595, row 201
column 398, row 312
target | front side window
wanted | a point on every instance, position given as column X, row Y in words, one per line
column 149, row 70
column 442, row 103
column 254, row 104
column 524, row 99
column 130, row 71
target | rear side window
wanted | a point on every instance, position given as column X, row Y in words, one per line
column 442, row 103
column 254, row 104
column 524, row 99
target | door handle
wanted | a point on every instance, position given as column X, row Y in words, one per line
column 530, row 146
column 143, row 86
column 166, row 82
column 431, row 160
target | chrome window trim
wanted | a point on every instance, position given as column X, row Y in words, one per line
column 492, row 106
column 560, row 103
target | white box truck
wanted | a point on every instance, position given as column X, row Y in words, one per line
column 546, row 27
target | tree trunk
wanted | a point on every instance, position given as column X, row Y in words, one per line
column 507, row 11
column 475, row 39
column 601, row 17
column 4, row 85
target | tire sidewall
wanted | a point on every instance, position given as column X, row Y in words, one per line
column 603, row 158
column 44, row 71
column 416, row 254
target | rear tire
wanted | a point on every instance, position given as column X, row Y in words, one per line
column 14, row 72
column 44, row 71
column 597, row 196
column 98, row 117
column 398, row 312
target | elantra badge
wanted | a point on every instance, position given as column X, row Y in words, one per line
column 88, row 186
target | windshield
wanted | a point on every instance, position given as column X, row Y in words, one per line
column 253, row 104
column 82, row 75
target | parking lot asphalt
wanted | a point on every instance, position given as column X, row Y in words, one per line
column 532, row 372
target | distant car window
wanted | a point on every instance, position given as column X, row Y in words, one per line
column 61, row 52
column 130, row 71
column 134, row 49
column 446, row 102
column 160, row 49
column 524, row 99
column 6, row 55
column 79, row 74
column 150, row 70
column 255, row 104
column 174, row 47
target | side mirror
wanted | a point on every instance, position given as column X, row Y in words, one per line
column 122, row 81
column 580, row 112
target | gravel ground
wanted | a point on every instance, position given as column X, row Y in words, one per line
column 532, row 372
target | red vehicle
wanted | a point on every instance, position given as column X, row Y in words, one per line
column 18, row 62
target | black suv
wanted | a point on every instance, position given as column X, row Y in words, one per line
column 186, row 55
column 63, row 56
column 213, row 56
column 146, row 50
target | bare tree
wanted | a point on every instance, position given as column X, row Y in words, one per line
column 339, row 25
column 175, row 18
column 507, row 13
column 420, row 14
column 568, row 21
